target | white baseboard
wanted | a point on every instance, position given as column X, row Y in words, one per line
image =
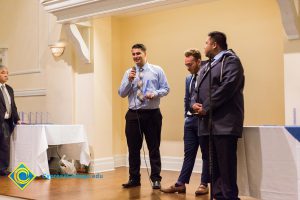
column 167, row 162
column 172, row 163
column 121, row 160
column 102, row 165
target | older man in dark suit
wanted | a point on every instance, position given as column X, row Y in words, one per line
column 8, row 118
column 227, row 108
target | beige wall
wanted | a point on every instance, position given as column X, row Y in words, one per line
column 26, row 30
column 18, row 33
column 256, row 38
column 119, row 107
column 87, row 94
column 102, row 137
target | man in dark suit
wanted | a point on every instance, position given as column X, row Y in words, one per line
column 8, row 119
column 227, row 107
column 191, row 139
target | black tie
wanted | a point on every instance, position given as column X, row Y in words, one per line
column 207, row 66
column 193, row 84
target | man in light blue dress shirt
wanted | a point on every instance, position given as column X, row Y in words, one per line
column 144, row 85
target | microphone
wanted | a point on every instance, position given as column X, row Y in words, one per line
column 133, row 69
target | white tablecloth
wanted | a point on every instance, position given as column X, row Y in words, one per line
column 269, row 163
column 29, row 144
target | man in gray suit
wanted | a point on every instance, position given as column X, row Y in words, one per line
column 8, row 119
column 227, row 108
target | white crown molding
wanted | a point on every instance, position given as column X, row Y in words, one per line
column 31, row 92
column 75, row 10
column 72, row 11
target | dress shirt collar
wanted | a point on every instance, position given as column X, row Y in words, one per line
column 143, row 67
column 218, row 56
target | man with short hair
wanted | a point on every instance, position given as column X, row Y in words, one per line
column 8, row 119
column 227, row 109
column 191, row 139
column 144, row 85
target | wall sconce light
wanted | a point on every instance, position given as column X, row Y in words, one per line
column 57, row 49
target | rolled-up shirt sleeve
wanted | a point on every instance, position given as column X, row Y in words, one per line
column 163, row 88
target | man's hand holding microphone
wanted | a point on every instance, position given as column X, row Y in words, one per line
column 131, row 77
column 132, row 74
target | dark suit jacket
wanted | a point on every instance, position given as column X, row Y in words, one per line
column 14, row 112
column 227, row 96
column 187, row 96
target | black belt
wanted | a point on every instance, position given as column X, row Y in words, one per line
column 191, row 115
column 143, row 110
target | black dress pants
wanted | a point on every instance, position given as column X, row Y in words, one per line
column 224, row 167
column 4, row 146
column 140, row 123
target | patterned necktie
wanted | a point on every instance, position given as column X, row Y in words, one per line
column 139, row 93
column 7, row 105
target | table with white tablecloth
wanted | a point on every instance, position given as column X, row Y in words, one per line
column 29, row 144
column 269, row 163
